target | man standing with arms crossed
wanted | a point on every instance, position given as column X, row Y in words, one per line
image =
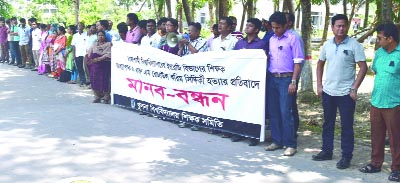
column 340, row 88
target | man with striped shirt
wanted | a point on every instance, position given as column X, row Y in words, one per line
column 195, row 43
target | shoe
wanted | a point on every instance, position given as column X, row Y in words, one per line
column 27, row 67
column 214, row 132
column 394, row 176
column 96, row 100
column 34, row 69
column 253, row 142
column 322, row 156
column 226, row 135
column 106, row 101
column 10, row 63
column 343, row 163
column 290, row 151
column 71, row 82
column 21, row 66
column 182, row 125
column 236, row 138
column 273, row 147
column 194, row 128
column 369, row 169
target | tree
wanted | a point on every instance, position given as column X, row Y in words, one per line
column 187, row 11
column 288, row 6
column 127, row 3
column 169, row 10
column 306, row 29
column 210, row 10
column 366, row 14
column 387, row 10
column 5, row 9
column 224, row 7
column 327, row 12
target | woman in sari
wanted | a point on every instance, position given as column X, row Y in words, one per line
column 99, row 65
column 69, row 56
column 50, row 49
column 59, row 51
column 43, row 55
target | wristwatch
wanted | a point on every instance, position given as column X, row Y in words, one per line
column 293, row 82
column 353, row 90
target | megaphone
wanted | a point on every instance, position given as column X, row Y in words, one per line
column 173, row 39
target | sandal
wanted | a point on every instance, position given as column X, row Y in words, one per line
column 395, row 176
column 369, row 169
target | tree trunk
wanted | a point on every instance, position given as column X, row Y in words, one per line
column 159, row 10
column 245, row 6
column 345, row 7
column 193, row 10
column 250, row 9
column 387, row 10
column 353, row 9
column 76, row 4
column 288, row 6
column 169, row 10
column 210, row 10
column 306, row 29
column 187, row 11
column 223, row 8
column 216, row 10
column 276, row 5
column 179, row 16
column 298, row 16
column 366, row 14
column 326, row 23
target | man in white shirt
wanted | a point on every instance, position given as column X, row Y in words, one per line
column 79, row 44
column 24, row 33
column 114, row 34
column 36, row 41
column 225, row 41
column 151, row 39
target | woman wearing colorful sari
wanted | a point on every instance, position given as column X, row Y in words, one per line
column 59, row 51
column 50, row 49
column 69, row 56
column 43, row 55
column 99, row 65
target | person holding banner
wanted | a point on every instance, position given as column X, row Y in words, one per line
column 193, row 45
column 99, row 65
column 152, row 38
column 285, row 56
column 251, row 41
column 224, row 42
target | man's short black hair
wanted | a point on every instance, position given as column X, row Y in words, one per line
column 197, row 25
column 152, row 21
column 142, row 24
column 257, row 22
column 278, row 18
column 13, row 18
column 43, row 26
column 133, row 17
column 22, row 20
column 339, row 17
column 162, row 20
column 228, row 20
column 32, row 20
column 233, row 18
column 104, row 23
column 173, row 21
column 122, row 27
column 73, row 28
column 389, row 30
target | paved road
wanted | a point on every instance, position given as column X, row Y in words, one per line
column 51, row 131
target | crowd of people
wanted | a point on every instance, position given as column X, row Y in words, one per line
column 82, row 54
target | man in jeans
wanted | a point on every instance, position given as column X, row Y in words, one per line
column 24, row 34
column 340, row 88
column 285, row 57
column 14, row 43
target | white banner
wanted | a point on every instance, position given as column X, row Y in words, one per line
column 219, row 90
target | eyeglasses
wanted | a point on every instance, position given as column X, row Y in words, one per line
column 380, row 38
